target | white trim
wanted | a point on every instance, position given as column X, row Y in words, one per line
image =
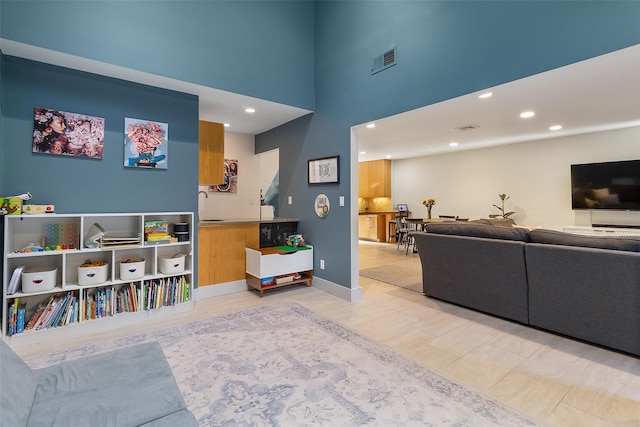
column 220, row 289
column 353, row 219
column 351, row 295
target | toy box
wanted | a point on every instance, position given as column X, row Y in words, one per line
column 37, row 209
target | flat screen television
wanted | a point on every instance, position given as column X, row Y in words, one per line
column 607, row 185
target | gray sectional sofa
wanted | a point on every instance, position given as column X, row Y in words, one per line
column 580, row 286
column 133, row 386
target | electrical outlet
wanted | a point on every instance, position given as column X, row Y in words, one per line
column 290, row 200
column 321, row 264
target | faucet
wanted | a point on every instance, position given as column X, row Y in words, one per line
column 206, row 196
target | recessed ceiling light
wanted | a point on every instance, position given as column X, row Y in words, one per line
column 555, row 127
column 453, row 144
column 371, row 125
column 227, row 125
column 388, row 156
column 486, row 95
column 249, row 110
column 527, row 114
column 363, row 152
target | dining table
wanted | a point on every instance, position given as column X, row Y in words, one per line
column 417, row 224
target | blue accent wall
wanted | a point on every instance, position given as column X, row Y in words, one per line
column 262, row 49
column 313, row 55
column 79, row 185
column 445, row 49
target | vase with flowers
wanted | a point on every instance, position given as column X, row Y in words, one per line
column 429, row 203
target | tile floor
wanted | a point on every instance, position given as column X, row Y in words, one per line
column 555, row 380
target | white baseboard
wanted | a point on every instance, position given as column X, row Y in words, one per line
column 227, row 288
column 351, row 295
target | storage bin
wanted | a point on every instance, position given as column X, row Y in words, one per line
column 182, row 236
column 132, row 269
column 171, row 265
column 39, row 279
column 93, row 274
column 181, row 227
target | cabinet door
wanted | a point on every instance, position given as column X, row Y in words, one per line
column 372, row 227
column 363, row 179
column 380, row 178
column 211, row 153
column 362, row 227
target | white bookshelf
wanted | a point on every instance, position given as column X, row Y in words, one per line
column 22, row 230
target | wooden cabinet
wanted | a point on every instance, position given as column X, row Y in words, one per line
column 211, row 153
column 374, row 179
column 372, row 227
column 363, row 179
column 221, row 252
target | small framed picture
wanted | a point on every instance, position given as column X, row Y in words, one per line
column 324, row 171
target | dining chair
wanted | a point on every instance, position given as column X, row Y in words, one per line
column 401, row 231
column 409, row 240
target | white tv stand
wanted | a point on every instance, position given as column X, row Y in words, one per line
column 602, row 231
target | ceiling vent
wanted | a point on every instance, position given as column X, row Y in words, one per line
column 467, row 127
column 384, row 60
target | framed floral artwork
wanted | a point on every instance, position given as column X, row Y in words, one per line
column 67, row 134
column 145, row 144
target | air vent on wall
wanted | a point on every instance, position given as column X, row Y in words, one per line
column 467, row 127
column 384, row 60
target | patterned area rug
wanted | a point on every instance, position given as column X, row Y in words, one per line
column 284, row 365
column 405, row 274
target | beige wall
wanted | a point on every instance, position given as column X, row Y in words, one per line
column 246, row 202
column 535, row 174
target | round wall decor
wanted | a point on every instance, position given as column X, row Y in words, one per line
column 321, row 205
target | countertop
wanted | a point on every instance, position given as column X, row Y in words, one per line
column 377, row 212
column 235, row 221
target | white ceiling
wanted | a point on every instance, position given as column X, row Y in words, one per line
column 215, row 105
column 601, row 93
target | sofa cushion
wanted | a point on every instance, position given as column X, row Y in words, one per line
column 500, row 222
column 17, row 387
column 127, row 387
column 541, row 235
column 479, row 230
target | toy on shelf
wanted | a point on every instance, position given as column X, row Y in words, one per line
column 296, row 240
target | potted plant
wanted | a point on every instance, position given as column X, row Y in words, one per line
column 502, row 213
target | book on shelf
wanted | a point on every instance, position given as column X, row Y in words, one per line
column 20, row 323
column 286, row 278
column 15, row 317
column 166, row 291
column 120, row 239
column 16, row 279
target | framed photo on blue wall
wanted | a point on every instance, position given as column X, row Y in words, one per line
column 324, row 171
